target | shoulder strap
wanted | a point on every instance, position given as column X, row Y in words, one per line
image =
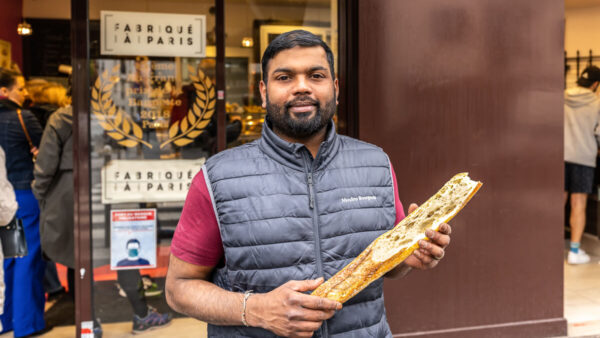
column 24, row 128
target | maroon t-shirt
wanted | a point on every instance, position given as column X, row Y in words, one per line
column 197, row 239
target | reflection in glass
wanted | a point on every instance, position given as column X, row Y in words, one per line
column 150, row 109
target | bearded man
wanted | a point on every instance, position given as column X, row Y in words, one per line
column 267, row 222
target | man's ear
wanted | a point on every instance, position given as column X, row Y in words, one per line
column 263, row 93
column 3, row 91
column 337, row 91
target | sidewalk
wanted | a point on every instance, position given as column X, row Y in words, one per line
column 582, row 292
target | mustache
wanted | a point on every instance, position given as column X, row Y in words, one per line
column 302, row 101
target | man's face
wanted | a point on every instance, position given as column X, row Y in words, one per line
column 17, row 92
column 300, row 95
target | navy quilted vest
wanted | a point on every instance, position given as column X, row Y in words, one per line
column 286, row 216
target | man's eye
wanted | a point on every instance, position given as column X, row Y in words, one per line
column 282, row 78
column 318, row 76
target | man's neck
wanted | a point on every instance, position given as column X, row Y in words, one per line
column 312, row 143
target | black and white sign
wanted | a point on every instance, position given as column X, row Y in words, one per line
column 125, row 181
column 152, row 34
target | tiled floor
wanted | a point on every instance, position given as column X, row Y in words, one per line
column 582, row 293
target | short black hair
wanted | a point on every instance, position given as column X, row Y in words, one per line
column 291, row 39
column 133, row 240
column 8, row 78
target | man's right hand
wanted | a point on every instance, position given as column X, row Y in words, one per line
column 288, row 312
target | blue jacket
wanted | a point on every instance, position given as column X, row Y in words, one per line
column 19, row 164
column 286, row 216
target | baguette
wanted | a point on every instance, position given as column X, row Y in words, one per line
column 394, row 246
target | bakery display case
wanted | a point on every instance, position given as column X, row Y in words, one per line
column 251, row 117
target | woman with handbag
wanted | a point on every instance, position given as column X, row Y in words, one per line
column 20, row 135
column 8, row 209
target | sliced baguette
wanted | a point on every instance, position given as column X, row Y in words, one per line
column 394, row 246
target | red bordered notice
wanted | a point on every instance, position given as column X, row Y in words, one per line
column 133, row 239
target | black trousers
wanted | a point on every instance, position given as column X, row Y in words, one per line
column 131, row 283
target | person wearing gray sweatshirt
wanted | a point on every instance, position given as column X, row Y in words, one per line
column 582, row 132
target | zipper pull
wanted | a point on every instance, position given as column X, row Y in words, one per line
column 311, row 199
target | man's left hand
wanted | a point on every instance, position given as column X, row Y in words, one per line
column 431, row 251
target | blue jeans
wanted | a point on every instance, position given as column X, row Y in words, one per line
column 24, row 294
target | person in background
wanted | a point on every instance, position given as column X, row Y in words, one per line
column 582, row 115
column 8, row 209
column 47, row 99
column 53, row 187
column 24, row 293
column 34, row 87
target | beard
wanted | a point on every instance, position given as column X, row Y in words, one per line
column 300, row 128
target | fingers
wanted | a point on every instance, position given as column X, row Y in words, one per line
column 445, row 229
column 412, row 207
column 431, row 249
column 316, row 303
column 304, row 285
column 439, row 238
column 310, row 315
column 426, row 259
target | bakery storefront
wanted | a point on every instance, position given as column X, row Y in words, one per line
column 158, row 87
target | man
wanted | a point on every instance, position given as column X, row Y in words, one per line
column 582, row 109
column 24, row 294
column 133, row 255
column 267, row 222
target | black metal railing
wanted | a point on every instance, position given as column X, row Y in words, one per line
column 579, row 60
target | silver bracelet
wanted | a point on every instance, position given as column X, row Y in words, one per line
column 247, row 295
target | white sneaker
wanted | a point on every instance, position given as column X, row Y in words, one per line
column 578, row 258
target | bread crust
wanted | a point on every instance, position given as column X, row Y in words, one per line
column 368, row 265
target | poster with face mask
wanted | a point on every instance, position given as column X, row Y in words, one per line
column 133, row 239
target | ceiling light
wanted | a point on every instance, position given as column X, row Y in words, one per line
column 24, row 28
column 247, row 42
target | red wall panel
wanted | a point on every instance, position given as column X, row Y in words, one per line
column 10, row 16
column 453, row 86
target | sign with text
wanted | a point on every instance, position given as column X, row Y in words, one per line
column 133, row 239
column 125, row 181
column 152, row 34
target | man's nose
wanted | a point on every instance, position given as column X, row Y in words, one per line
column 301, row 85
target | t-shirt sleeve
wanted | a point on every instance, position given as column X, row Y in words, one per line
column 197, row 239
column 399, row 208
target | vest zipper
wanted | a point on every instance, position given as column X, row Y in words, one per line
column 315, row 216
column 311, row 198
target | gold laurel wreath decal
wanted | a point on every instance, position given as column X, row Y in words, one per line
column 116, row 122
column 198, row 117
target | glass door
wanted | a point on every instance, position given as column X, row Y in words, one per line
column 153, row 123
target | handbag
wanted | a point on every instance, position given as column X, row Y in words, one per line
column 31, row 146
column 13, row 240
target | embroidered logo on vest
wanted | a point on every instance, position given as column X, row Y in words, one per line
column 358, row 198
